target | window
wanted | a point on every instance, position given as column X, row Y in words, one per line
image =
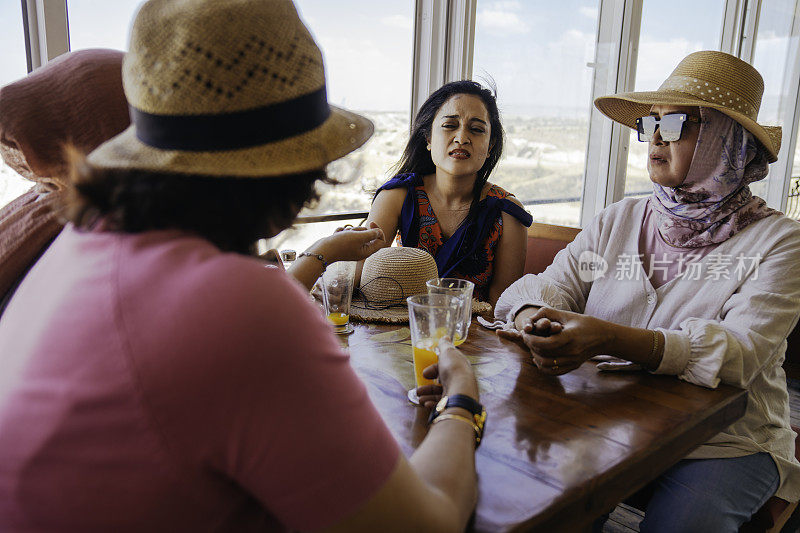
column 100, row 24
column 669, row 32
column 775, row 55
column 13, row 66
column 367, row 47
column 793, row 201
column 537, row 54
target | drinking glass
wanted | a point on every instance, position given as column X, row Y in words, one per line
column 337, row 291
column 462, row 290
column 430, row 317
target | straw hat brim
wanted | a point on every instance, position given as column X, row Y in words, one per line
column 341, row 133
column 399, row 313
column 625, row 108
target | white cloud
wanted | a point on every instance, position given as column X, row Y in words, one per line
column 590, row 12
column 658, row 58
column 505, row 22
column 397, row 21
column 505, row 6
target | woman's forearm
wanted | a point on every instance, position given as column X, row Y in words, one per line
column 638, row 345
column 306, row 270
column 446, row 458
column 446, row 463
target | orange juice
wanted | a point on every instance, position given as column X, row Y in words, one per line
column 338, row 319
column 423, row 358
column 459, row 339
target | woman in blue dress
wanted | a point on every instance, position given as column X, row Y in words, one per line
column 441, row 201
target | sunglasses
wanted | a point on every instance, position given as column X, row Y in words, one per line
column 669, row 126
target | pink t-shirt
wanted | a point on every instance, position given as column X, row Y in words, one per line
column 152, row 383
column 661, row 261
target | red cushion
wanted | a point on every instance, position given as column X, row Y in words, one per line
column 541, row 253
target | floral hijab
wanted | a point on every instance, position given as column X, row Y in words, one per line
column 714, row 202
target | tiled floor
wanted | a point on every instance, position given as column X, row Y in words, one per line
column 626, row 519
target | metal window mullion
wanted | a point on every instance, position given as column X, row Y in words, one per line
column 733, row 26
column 47, row 30
column 751, row 14
column 614, row 71
column 626, row 81
column 460, row 39
column 430, row 47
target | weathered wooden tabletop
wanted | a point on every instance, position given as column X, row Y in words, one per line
column 557, row 451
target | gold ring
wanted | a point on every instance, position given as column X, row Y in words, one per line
column 555, row 363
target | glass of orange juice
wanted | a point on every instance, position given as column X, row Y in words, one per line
column 430, row 317
column 337, row 291
column 462, row 290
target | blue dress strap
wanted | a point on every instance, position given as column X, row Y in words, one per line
column 516, row 211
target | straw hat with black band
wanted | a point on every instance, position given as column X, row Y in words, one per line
column 705, row 79
column 391, row 275
column 209, row 98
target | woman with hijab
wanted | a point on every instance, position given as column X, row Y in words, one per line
column 75, row 99
column 441, row 200
column 700, row 280
column 154, row 374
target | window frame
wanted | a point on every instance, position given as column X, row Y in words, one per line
column 444, row 36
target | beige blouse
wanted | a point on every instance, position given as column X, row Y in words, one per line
column 725, row 318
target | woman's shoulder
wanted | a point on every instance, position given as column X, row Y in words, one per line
column 492, row 190
column 773, row 229
column 626, row 209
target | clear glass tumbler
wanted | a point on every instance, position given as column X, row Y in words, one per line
column 337, row 291
column 430, row 317
column 462, row 290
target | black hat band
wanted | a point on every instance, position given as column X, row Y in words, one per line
column 232, row 131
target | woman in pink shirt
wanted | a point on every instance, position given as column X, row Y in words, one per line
column 154, row 374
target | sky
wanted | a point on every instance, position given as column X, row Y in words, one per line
column 535, row 51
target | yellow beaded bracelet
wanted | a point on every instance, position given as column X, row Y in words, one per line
column 655, row 347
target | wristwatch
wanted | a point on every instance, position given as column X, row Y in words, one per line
column 464, row 402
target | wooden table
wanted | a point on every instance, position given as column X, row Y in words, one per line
column 558, row 451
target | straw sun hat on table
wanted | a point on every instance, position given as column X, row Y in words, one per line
column 391, row 275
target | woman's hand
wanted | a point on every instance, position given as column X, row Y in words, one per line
column 569, row 339
column 455, row 375
column 350, row 244
column 273, row 257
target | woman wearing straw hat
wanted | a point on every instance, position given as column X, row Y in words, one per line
column 153, row 375
column 441, row 200
column 700, row 280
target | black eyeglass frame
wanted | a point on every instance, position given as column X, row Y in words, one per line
column 667, row 134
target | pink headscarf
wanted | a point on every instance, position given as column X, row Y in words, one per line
column 76, row 99
column 714, row 201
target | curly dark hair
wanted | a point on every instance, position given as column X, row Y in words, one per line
column 232, row 213
column 417, row 159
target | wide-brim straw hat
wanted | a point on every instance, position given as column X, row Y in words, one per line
column 391, row 275
column 706, row 79
column 233, row 88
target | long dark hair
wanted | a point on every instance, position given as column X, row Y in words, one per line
column 232, row 213
column 416, row 157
